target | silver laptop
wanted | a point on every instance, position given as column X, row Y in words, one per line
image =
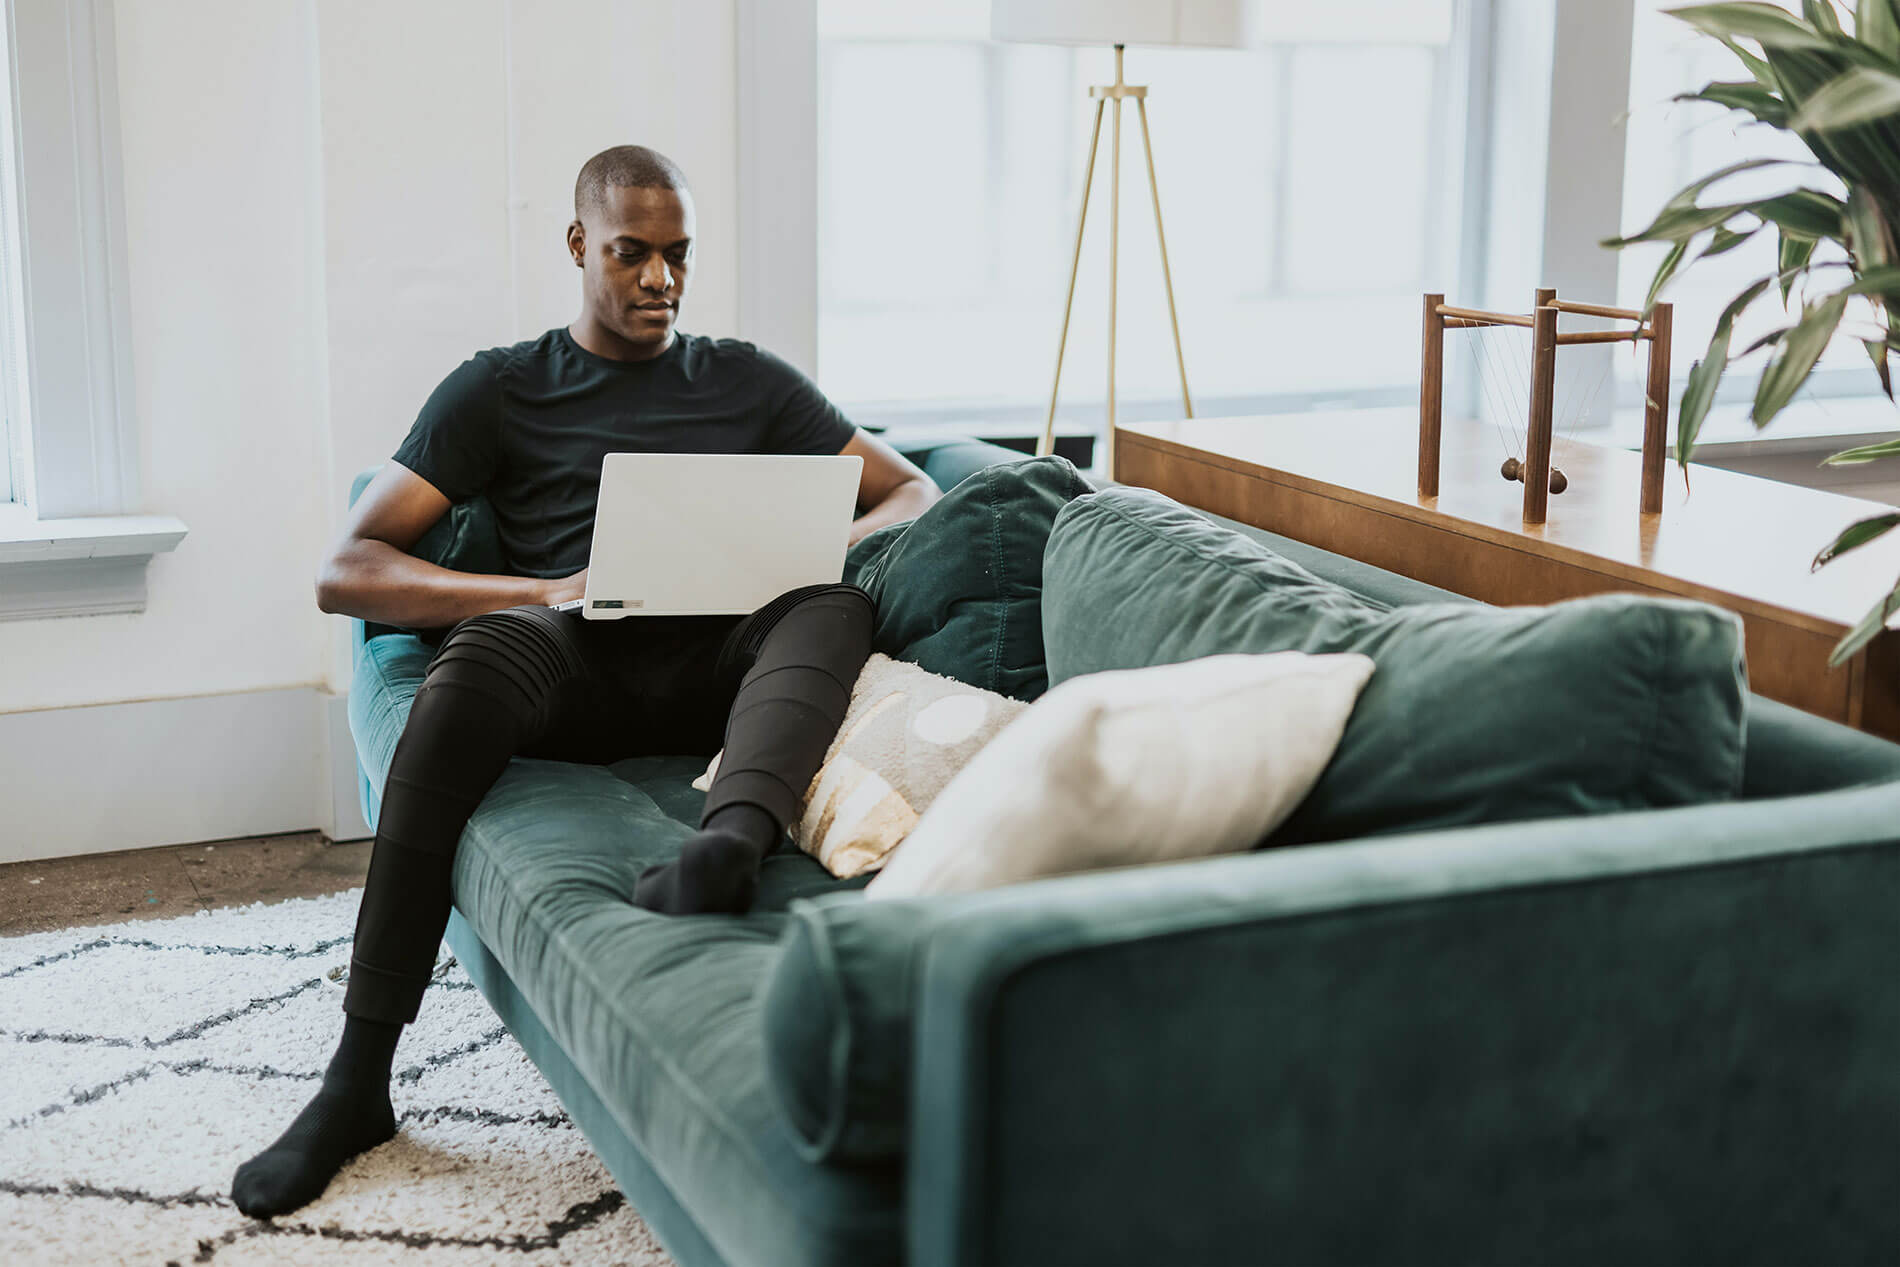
column 714, row 534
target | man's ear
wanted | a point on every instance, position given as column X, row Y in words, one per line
column 577, row 243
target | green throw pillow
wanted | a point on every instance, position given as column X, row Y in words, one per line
column 959, row 588
column 1475, row 714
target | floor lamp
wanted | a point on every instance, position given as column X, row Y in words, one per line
column 1205, row 23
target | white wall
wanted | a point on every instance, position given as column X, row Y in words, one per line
column 329, row 206
column 452, row 133
column 221, row 222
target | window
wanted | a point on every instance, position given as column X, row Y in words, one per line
column 1672, row 144
column 11, row 432
column 66, row 427
column 1309, row 191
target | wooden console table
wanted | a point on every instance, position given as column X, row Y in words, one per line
column 1348, row 482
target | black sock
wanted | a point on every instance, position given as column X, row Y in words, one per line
column 349, row 1114
column 717, row 870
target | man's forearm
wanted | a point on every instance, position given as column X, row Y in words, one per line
column 375, row 581
column 907, row 501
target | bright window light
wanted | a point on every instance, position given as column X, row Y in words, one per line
column 1308, row 191
column 1671, row 144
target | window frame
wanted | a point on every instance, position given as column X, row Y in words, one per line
column 70, row 540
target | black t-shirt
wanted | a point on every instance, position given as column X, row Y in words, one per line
column 528, row 426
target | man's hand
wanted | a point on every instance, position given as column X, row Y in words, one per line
column 565, row 589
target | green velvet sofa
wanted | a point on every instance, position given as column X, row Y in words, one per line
column 1668, row 1035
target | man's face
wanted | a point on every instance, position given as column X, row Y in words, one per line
column 635, row 250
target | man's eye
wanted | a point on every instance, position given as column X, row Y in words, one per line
column 625, row 257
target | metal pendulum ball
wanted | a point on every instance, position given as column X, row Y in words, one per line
column 1514, row 470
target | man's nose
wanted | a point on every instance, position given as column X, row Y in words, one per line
column 656, row 276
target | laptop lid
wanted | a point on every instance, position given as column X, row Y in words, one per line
column 702, row 534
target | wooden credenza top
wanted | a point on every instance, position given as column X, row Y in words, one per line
column 1738, row 540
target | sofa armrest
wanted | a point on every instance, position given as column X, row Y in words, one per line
column 1660, row 1036
column 951, row 462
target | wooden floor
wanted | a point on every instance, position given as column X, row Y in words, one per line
column 111, row 888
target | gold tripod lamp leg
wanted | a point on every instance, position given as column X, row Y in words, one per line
column 1167, row 278
column 1047, row 444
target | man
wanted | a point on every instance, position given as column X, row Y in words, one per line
column 527, row 426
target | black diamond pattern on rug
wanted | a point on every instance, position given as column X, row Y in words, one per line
column 141, row 1066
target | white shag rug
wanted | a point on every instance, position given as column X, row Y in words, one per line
column 140, row 1063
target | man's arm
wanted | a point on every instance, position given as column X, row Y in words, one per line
column 891, row 489
column 371, row 574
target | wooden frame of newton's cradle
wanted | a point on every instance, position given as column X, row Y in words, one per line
column 1535, row 469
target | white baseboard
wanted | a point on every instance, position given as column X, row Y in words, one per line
column 173, row 771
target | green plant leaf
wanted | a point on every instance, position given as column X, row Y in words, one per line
column 1867, row 240
column 1862, row 95
column 1756, row 66
column 1725, row 240
column 1699, row 391
column 1664, row 271
column 1858, row 533
column 1768, row 25
column 1673, row 224
column 1865, row 453
column 1884, row 282
column 1866, row 631
column 1877, row 352
column 1821, row 16
column 1806, row 213
column 1858, row 155
column 1686, row 196
column 1766, row 341
column 1877, row 25
column 1795, row 356
column 1745, row 95
column 1795, row 253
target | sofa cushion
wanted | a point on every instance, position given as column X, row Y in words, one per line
column 1476, row 714
column 959, row 588
column 1136, row 767
column 905, row 735
column 1785, row 752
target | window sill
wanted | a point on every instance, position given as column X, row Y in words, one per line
column 1812, row 424
column 78, row 567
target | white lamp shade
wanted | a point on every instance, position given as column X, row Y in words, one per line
column 1208, row 23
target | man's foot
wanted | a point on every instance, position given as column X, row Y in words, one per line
column 717, row 871
column 335, row 1126
column 349, row 1115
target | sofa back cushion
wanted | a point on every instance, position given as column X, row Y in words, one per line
column 959, row 588
column 1785, row 752
column 1475, row 714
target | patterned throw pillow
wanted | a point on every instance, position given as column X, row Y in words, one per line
column 904, row 736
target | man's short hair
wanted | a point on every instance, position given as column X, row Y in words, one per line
column 627, row 166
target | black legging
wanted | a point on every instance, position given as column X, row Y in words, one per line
column 531, row 681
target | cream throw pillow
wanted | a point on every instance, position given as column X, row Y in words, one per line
column 905, row 735
column 1134, row 766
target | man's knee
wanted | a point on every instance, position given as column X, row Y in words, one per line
column 515, row 657
column 840, row 612
column 825, row 627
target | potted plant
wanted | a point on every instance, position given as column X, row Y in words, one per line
column 1832, row 78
